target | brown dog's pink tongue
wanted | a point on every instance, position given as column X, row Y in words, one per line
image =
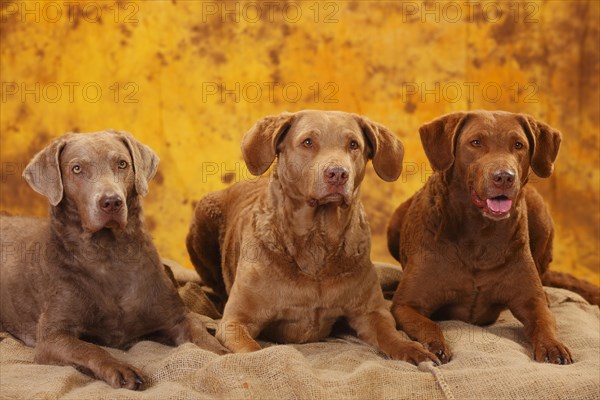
column 499, row 205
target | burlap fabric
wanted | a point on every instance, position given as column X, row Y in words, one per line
column 489, row 363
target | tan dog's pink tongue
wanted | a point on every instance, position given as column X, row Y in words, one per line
column 499, row 205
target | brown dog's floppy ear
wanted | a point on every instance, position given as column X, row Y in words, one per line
column 145, row 161
column 43, row 171
column 438, row 138
column 545, row 142
column 388, row 151
column 259, row 144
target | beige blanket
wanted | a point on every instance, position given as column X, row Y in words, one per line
column 494, row 362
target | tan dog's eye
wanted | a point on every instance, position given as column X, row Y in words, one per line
column 76, row 169
column 122, row 164
column 476, row 143
column 307, row 143
column 518, row 145
column 353, row 145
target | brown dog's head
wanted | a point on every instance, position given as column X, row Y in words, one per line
column 97, row 172
column 322, row 154
column 490, row 153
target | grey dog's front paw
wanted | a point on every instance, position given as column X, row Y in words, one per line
column 120, row 375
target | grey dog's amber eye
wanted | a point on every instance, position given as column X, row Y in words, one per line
column 307, row 142
column 122, row 164
column 518, row 145
column 353, row 145
column 76, row 169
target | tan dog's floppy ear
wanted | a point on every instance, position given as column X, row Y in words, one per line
column 438, row 138
column 388, row 151
column 145, row 161
column 259, row 144
column 544, row 141
column 43, row 171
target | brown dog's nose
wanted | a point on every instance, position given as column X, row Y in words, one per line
column 503, row 179
column 336, row 175
column 110, row 203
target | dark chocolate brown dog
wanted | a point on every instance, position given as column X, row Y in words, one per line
column 475, row 240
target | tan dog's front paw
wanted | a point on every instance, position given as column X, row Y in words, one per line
column 120, row 375
column 235, row 337
column 439, row 348
column 248, row 347
column 552, row 351
column 413, row 353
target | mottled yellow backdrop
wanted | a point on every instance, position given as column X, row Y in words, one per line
column 190, row 77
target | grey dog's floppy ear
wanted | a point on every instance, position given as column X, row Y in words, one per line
column 145, row 161
column 544, row 144
column 388, row 151
column 438, row 138
column 259, row 145
column 43, row 171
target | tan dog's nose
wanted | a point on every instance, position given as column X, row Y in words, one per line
column 336, row 175
column 503, row 179
column 110, row 203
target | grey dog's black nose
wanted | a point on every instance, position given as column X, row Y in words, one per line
column 110, row 203
column 503, row 179
column 336, row 175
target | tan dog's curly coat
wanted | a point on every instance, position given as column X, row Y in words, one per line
column 290, row 254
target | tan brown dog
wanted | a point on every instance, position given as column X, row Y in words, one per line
column 291, row 253
column 475, row 239
column 91, row 272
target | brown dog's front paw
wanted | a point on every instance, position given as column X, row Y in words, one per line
column 552, row 352
column 441, row 351
column 413, row 353
column 122, row 376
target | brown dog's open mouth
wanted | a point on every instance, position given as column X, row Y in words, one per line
column 495, row 207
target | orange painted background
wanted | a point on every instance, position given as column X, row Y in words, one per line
column 189, row 78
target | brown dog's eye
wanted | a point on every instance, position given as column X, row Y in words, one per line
column 122, row 164
column 307, row 142
column 353, row 145
column 76, row 169
column 476, row 143
column 518, row 145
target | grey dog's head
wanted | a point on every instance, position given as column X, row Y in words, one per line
column 97, row 172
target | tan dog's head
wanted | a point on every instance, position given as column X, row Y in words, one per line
column 98, row 172
column 490, row 153
column 322, row 154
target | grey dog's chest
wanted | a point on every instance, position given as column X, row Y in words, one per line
column 121, row 314
column 119, row 300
